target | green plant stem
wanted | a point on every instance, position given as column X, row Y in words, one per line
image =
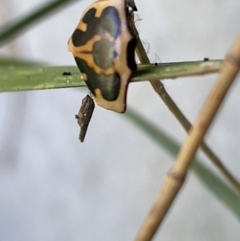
column 15, row 27
column 16, row 78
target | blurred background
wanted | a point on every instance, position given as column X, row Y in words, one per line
column 52, row 187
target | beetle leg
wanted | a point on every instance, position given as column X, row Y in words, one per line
column 132, row 4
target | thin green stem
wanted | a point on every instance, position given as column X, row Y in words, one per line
column 16, row 78
column 15, row 27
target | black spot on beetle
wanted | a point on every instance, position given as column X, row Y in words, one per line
column 109, row 22
column 115, row 54
column 89, row 16
column 131, row 54
column 109, row 85
column 78, row 37
column 103, row 53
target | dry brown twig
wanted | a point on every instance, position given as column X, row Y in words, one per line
column 160, row 90
column 178, row 172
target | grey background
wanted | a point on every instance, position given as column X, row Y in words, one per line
column 54, row 188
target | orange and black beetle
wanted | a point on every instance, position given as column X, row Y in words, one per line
column 103, row 48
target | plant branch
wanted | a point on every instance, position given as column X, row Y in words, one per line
column 177, row 174
column 21, row 78
column 213, row 182
column 160, row 90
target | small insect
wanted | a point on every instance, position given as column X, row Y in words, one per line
column 84, row 116
column 103, row 47
column 66, row 73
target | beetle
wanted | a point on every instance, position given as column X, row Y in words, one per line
column 104, row 50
